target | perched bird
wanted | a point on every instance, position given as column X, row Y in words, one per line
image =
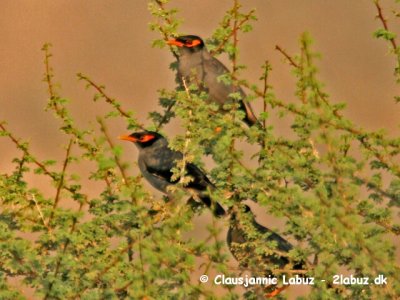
column 156, row 161
column 238, row 234
column 197, row 65
column 245, row 238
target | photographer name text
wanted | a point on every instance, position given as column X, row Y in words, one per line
column 294, row 280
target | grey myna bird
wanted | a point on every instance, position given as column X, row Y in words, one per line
column 245, row 240
column 198, row 66
column 156, row 160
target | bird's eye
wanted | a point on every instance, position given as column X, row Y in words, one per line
column 193, row 43
column 146, row 138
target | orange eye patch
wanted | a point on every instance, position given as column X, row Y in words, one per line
column 175, row 43
column 193, row 43
column 188, row 44
column 146, row 138
column 143, row 139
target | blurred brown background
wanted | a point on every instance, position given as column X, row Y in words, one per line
column 110, row 42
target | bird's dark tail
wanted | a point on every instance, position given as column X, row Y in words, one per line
column 250, row 119
column 216, row 208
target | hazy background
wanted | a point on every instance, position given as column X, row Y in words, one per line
column 110, row 42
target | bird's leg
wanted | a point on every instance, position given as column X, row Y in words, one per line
column 315, row 262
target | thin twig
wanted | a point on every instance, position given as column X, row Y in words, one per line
column 187, row 135
column 48, row 74
column 109, row 100
column 142, row 271
column 68, row 126
column 164, row 118
column 102, row 93
column 265, row 90
column 40, row 212
column 289, row 58
column 384, row 22
column 235, row 9
column 61, row 182
column 168, row 20
column 267, row 68
column 123, row 287
column 164, row 33
column 236, row 27
column 233, row 74
column 36, row 162
column 111, row 145
column 20, row 166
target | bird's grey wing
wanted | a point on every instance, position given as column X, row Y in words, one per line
column 156, row 179
column 200, row 183
column 217, row 90
column 164, row 174
column 161, row 162
column 282, row 244
column 215, row 65
column 200, row 180
column 220, row 91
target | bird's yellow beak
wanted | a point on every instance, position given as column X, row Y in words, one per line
column 127, row 138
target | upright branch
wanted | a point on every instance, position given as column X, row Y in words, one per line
column 49, row 72
column 169, row 24
column 239, row 25
column 287, row 56
column 58, row 105
column 41, row 215
column 233, row 57
column 117, row 160
column 267, row 68
column 390, row 36
column 187, row 138
column 61, row 180
column 235, row 28
column 166, row 116
column 23, row 147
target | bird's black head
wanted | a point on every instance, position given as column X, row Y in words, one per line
column 190, row 42
column 246, row 208
column 142, row 139
column 243, row 209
